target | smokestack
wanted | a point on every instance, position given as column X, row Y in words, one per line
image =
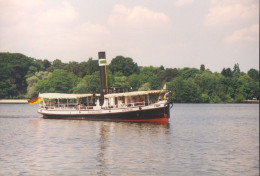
column 103, row 76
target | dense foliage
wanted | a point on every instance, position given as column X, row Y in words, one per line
column 25, row 77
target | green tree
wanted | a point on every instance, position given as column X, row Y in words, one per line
column 236, row 71
column 187, row 73
column 184, row 91
column 16, row 69
column 120, row 81
column 24, row 76
column 148, row 74
column 56, row 64
column 31, row 71
column 18, row 73
column 205, row 98
column 154, row 82
column 124, row 65
column 42, row 86
column 92, row 66
column 145, row 87
column 150, row 70
column 167, row 75
column 226, row 72
column 59, row 81
column 46, row 64
column 32, row 82
column 87, row 68
column 202, row 67
column 191, row 92
column 250, row 90
column 161, row 67
column 31, row 90
column 134, row 81
column 73, row 67
column 236, row 68
column 245, row 78
column 6, row 87
column 62, row 81
column 254, row 74
column 239, row 98
column 208, row 82
column 89, row 84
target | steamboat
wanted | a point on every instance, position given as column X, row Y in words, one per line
column 112, row 104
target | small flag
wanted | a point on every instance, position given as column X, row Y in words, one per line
column 35, row 101
column 164, row 87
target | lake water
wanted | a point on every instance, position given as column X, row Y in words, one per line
column 201, row 139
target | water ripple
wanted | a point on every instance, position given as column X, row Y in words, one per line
column 200, row 140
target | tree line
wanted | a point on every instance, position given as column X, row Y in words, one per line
column 25, row 77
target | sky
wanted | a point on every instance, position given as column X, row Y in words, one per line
column 172, row 33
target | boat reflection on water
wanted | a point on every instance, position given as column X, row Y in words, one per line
column 97, row 147
column 112, row 150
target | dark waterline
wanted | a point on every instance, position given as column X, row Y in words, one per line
column 201, row 139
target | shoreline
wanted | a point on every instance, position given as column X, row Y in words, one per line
column 13, row 101
column 251, row 101
column 25, row 101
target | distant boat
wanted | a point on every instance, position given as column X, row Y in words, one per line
column 137, row 106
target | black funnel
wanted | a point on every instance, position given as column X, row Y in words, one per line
column 103, row 76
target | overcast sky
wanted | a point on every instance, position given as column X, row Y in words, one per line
column 172, row 33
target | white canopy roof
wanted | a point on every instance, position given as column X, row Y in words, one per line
column 136, row 93
column 64, row 96
column 76, row 96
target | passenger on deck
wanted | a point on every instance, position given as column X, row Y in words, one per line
column 132, row 102
column 56, row 103
column 166, row 96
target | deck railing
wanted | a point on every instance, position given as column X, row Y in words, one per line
column 85, row 107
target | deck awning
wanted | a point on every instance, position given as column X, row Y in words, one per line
column 64, row 96
column 76, row 96
column 136, row 93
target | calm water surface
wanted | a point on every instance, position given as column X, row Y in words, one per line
column 201, row 139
